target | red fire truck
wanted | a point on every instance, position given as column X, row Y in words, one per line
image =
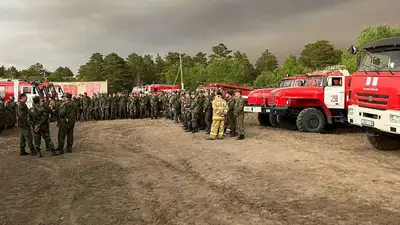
column 31, row 89
column 227, row 87
column 258, row 99
column 322, row 100
column 156, row 88
column 374, row 101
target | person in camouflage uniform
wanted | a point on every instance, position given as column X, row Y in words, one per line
column 102, row 105
column 239, row 114
column 38, row 119
column 122, row 106
column 106, row 109
column 207, row 110
column 165, row 101
column 200, row 119
column 143, row 105
column 25, row 133
column 66, row 123
column 231, row 119
column 11, row 107
column 188, row 116
column 85, row 107
column 46, row 107
column 153, row 106
column 114, row 106
column 182, row 108
column 195, row 111
column 53, row 104
column 176, row 106
column 130, row 107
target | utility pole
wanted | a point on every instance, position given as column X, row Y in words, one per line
column 180, row 67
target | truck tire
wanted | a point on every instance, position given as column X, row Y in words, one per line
column 263, row 119
column 286, row 122
column 311, row 120
column 383, row 142
column 273, row 120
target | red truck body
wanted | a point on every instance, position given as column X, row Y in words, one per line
column 258, row 99
column 31, row 89
column 374, row 100
column 322, row 100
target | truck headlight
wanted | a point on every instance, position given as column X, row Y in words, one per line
column 350, row 111
column 394, row 119
column 288, row 102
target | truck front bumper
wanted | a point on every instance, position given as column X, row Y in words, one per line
column 257, row 109
column 383, row 120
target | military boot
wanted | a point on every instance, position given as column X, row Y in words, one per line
column 241, row 137
column 233, row 134
column 195, row 130
column 34, row 152
column 69, row 149
column 22, row 151
column 39, row 154
column 53, row 152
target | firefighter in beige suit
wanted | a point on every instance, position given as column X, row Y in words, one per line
column 220, row 109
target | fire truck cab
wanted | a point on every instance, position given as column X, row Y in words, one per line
column 374, row 101
column 322, row 100
column 258, row 99
column 14, row 88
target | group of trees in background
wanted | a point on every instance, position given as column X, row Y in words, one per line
column 222, row 65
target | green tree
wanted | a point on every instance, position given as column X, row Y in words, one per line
column 249, row 74
column 224, row 70
column 268, row 79
column 220, row 51
column 116, row 72
column 367, row 35
column 267, row 61
column 61, row 74
column 92, row 70
column 37, row 71
column 160, row 68
column 319, row 55
column 200, row 58
column 12, row 73
column 2, row 72
column 292, row 66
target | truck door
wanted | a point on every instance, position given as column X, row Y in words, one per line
column 334, row 93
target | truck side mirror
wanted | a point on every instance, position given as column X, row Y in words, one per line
column 352, row 50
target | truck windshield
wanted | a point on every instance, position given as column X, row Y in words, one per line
column 285, row 83
column 298, row 83
column 314, row 81
column 380, row 60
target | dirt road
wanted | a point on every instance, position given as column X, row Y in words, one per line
column 151, row 172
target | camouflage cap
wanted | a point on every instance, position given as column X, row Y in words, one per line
column 230, row 92
column 238, row 91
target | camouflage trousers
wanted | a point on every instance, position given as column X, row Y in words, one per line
column 113, row 112
column 195, row 120
column 65, row 131
column 154, row 111
column 142, row 111
column 44, row 133
column 232, row 123
column 217, row 129
column 85, row 114
column 208, row 120
column 188, row 120
column 105, row 115
column 176, row 114
column 122, row 113
column 25, row 137
column 240, row 124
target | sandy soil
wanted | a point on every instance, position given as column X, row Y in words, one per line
column 151, row 172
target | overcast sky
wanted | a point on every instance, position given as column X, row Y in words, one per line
column 67, row 32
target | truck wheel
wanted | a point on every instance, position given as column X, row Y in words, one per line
column 310, row 120
column 263, row 119
column 273, row 120
column 383, row 142
column 286, row 122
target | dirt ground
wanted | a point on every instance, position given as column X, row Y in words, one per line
column 151, row 172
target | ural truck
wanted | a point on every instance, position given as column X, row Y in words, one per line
column 309, row 108
column 15, row 88
column 156, row 88
column 258, row 99
column 374, row 101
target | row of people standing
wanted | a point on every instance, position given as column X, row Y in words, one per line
column 34, row 124
column 193, row 109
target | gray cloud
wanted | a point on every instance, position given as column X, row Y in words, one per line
column 67, row 32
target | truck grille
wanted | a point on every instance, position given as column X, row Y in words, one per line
column 373, row 99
